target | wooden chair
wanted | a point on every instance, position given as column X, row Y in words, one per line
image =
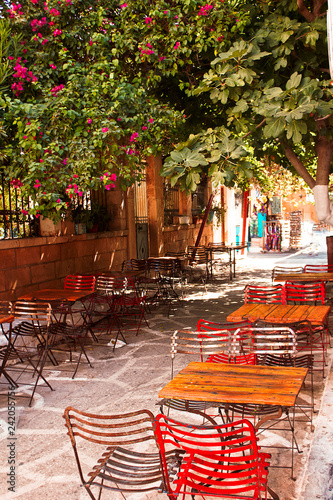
column 264, row 294
column 221, row 461
column 285, row 270
column 117, row 443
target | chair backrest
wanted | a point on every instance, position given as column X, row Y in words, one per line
column 134, row 265
column 112, row 284
column 37, row 313
column 219, row 461
column 273, row 294
column 197, row 346
column 286, row 270
column 210, row 329
column 277, row 340
column 197, row 255
column 300, row 293
column 318, row 268
column 125, row 430
column 79, row 282
column 5, row 307
column 165, row 267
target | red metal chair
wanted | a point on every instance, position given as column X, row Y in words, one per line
column 264, row 294
column 83, row 313
column 311, row 293
column 318, row 268
column 221, row 461
column 123, row 448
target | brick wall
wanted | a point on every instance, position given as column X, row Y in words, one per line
column 29, row 264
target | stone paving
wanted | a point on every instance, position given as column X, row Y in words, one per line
column 130, row 378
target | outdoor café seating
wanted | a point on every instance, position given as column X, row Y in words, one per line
column 28, row 346
column 116, row 443
column 221, row 461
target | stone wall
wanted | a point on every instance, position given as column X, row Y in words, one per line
column 29, row 264
column 177, row 238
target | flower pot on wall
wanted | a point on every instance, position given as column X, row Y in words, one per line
column 49, row 228
column 80, row 228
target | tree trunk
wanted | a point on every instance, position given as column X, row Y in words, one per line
column 323, row 205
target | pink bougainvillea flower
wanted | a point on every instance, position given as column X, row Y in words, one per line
column 80, row 193
column 176, row 46
column 161, row 58
column 144, row 127
column 24, row 212
column 148, row 20
column 105, row 129
column 41, row 160
column 119, row 119
column 90, row 42
column 65, row 161
column 57, row 32
column 25, row 137
column 134, row 136
column 123, row 6
column 151, row 120
column 34, row 1
column 113, row 177
column 75, row 176
column 89, row 120
column 53, row 66
column 58, row 200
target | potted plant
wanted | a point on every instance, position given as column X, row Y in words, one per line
column 90, row 220
column 99, row 217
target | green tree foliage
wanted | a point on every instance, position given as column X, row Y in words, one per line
column 92, row 87
column 272, row 87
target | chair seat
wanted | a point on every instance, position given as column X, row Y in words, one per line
column 132, row 470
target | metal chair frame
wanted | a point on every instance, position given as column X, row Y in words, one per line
column 220, row 461
column 121, row 465
column 264, row 294
column 34, row 323
column 286, row 270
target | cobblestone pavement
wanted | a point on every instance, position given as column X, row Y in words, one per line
column 130, row 378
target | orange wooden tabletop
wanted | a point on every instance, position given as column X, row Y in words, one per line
column 56, row 294
column 6, row 318
column 304, row 277
column 279, row 313
column 229, row 383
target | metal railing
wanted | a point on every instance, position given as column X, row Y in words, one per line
column 171, row 202
column 13, row 223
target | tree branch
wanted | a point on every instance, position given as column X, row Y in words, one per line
column 258, row 126
column 316, row 12
column 297, row 164
column 309, row 16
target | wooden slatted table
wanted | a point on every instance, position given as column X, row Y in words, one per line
column 278, row 313
column 54, row 294
column 304, row 277
column 230, row 383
